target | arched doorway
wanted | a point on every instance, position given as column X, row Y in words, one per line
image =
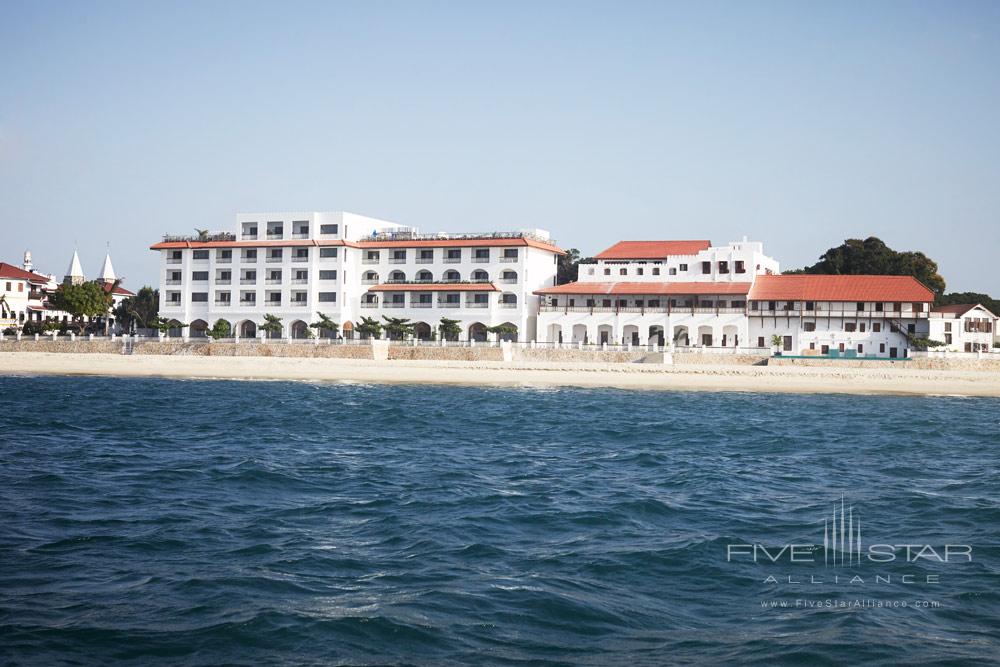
column 422, row 331
column 248, row 329
column 681, row 338
column 705, row 337
column 347, row 329
column 630, row 335
column 175, row 329
column 604, row 334
column 198, row 329
column 300, row 330
column 656, row 334
column 555, row 333
column 730, row 336
column 580, row 333
column 511, row 334
column 477, row 332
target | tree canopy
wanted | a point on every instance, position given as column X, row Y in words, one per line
column 324, row 323
column 369, row 328
column 397, row 328
column 138, row 311
column 450, row 329
column 873, row 256
column 82, row 302
column 272, row 325
column 569, row 266
column 970, row 297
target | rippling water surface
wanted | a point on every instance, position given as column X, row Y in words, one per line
column 292, row 523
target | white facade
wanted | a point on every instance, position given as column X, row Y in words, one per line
column 346, row 266
column 966, row 328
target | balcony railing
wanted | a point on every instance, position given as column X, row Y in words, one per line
column 274, row 236
column 299, row 259
column 223, row 260
column 300, row 281
column 506, row 259
column 274, row 260
column 369, row 281
column 213, row 236
column 249, row 237
column 223, row 281
column 249, row 260
column 172, row 282
column 273, row 302
column 369, row 260
column 508, row 281
column 424, row 260
column 248, row 302
column 452, row 260
column 223, row 303
column 480, row 260
column 300, row 303
column 508, row 304
column 273, row 281
column 397, row 260
column 449, row 304
column 248, row 281
column 394, row 304
column 477, row 304
column 174, row 260
column 300, row 235
column 369, row 304
column 420, row 304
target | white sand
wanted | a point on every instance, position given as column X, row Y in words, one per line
column 687, row 377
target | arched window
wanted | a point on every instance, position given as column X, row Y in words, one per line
column 480, row 276
column 425, row 276
column 369, row 278
column 397, row 277
column 452, row 276
column 508, row 276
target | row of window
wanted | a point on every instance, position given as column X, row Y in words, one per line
column 372, row 277
column 225, row 276
column 739, row 266
column 249, row 298
column 276, row 230
column 860, row 306
column 649, row 303
column 426, row 255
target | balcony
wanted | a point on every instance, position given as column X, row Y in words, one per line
column 480, row 260
column 273, row 260
column 420, row 304
column 508, row 260
column 449, row 304
column 397, row 260
column 300, row 235
column 223, row 304
column 275, row 235
column 369, row 260
column 172, row 282
column 369, row 281
column 394, row 304
column 248, row 281
column 273, row 281
column 509, row 281
column 248, row 302
column 174, row 260
column 452, row 260
column 249, row 260
column 300, row 303
column 508, row 304
column 300, row 260
column 273, row 303
column 223, row 281
column 477, row 304
column 300, row 281
column 424, row 260
column 223, row 260
column 369, row 304
column 249, row 237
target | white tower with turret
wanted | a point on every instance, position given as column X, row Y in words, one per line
column 74, row 274
column 107, row 271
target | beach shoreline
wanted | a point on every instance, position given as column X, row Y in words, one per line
column 686, row 377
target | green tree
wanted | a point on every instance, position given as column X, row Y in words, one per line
column 873, row 257
column 370, row 328
column 82, row 302
column 137, row 312
column 568, row 266
column 505, row 331
column 271, row 326
column 324, row 323
column 450, row 329
column 220, row 329
column 397, row 328
column 164, row 326
column 988, row 302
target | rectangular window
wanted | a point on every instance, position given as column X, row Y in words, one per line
column 876, row 327
column 197, row 297
column 861, row 327
column 200, row 254
column 250, row 255
column 607, row 272
column 656, row 270
column 327, row 252
column 327, row 297
column 740, row 266
column 328, row 275
column 723, row 267
column 760, row 341
column 850, row 326
column 706, row 267
column 947, row 325
column 328, row 229
column 510, row 253
column 861, row 348
column 810, row 305
column 199, row 275
column 881, row 348
column 682, row 267
column 639, row 271
column 623, row 272
column 673, row 271
column 809, row 326
column 861, row 305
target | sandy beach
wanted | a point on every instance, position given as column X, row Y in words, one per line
column 688, row 377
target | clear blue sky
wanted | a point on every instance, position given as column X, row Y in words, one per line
column 793, row 123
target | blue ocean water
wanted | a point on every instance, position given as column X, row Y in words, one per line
column 196, row 522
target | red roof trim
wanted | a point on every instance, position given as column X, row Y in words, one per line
column 15, row 273
column 442, row 243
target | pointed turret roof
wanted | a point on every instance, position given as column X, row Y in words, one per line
column 107, row 271
column 75, row 271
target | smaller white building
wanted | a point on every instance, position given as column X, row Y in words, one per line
column 967, row 327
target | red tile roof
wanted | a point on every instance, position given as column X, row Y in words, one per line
column 682, row 288
column 117, row 290
column 16, row 273
column 804, row 287
column 652, row 249
column 960, row 308
column 434, row 287
column 172, row 245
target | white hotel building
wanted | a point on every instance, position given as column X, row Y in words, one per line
column 347, row 266
column 693, row 294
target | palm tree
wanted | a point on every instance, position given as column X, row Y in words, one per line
column 505, row 331
column 397, row 328
column 325, row 324
column 370, row 328
column 272, row 325
column 202, row 234
column 450, row 329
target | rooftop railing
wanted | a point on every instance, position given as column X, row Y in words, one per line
column 199, row 238
column 409, row 235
